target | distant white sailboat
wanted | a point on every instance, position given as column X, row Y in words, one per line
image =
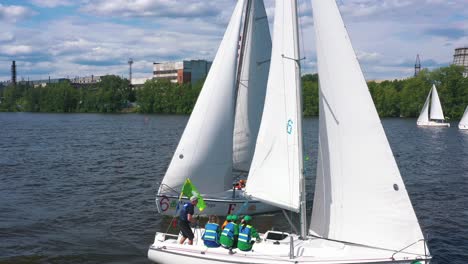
column 219, row 139
column 436, row 116
column 464, row 120
column 361, row 212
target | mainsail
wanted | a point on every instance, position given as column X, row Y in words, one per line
column 436, row 107
column 275, row 173
column 204, row 153
column 360, row 196
column 252, row 85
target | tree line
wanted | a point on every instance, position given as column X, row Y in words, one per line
column 397, row 98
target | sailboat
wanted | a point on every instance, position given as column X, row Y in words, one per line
column 436, row 116
column 361, row 211
column 464, row 121
column 219, row 140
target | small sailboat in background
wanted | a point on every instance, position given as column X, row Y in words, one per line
column 361, row 211
column 219, row 140
column 434, row 117
column 464, row 121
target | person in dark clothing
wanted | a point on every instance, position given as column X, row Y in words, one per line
column 185, row 217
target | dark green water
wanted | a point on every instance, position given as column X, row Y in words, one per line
column 80, row 188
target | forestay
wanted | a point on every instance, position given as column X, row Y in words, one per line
column 274, row 175
column 204, row 153
column 436, row 107
column 252, row 86
column 359, row 196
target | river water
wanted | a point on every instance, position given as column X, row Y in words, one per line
column 80, row 188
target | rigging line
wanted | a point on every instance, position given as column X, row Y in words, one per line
column 368, row 246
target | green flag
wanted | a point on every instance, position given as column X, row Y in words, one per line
column 190, row 190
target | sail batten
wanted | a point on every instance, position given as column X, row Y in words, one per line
column 274, row 175
column 204, row 153
column 360, row 196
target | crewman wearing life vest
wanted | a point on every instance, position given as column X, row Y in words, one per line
column 246, row 235
column 228, row 219
column 212, row 232
column 230, row 233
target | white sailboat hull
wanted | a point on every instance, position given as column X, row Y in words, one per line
column 463, row 127
column 221, row 205
column 433, row 124
column 165, row 249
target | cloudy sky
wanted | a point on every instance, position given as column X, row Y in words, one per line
column 71, row 38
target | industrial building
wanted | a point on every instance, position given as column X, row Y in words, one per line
column 187, row 71
column 43, row 83
column 461, row 58
column 86, row 80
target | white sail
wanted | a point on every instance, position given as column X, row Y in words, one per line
column 424, row 116
column 436, row 107
column 464, row 120
column 360, row 196
column 274, row 175
column 204, row 153
column 252, row 86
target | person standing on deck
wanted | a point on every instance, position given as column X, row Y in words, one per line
column 246, row 234
column 185, row 218
column 230, row 233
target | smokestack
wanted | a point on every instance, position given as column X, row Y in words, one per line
column 13, row 73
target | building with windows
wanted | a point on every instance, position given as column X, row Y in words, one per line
column 461, row 58
column 187, row 71
column 86, row 80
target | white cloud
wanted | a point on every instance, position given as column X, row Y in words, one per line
column 387, row 35
column 13, row 13
column 51, row 3
column 16, row 49
column 149, row 8
column 6, row 36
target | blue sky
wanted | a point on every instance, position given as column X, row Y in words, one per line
column 64, row 38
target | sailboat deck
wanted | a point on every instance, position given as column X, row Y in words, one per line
column 311, row 250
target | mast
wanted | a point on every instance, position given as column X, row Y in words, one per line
column 303, row 210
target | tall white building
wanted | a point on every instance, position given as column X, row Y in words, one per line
column 187, row 71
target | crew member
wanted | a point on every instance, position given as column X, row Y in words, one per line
column 185, row 218
column 212, row 232
column 227, row 221
column 246, row 234
column 240, row 185
column 230, row 233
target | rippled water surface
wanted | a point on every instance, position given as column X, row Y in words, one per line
column 79, row 188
